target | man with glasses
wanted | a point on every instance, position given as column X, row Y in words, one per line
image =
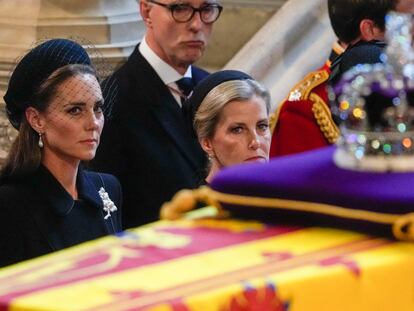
column 146, row 142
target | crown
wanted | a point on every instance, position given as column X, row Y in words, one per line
column 374, row 104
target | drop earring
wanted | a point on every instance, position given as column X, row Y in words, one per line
column 40, row 141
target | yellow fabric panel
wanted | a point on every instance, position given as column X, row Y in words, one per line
column 312, row 269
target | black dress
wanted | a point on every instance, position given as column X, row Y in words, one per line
column 38, row 216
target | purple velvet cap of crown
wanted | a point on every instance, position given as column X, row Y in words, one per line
column 376, row 86
column 313, row 177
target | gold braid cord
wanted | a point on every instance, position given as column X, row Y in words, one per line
column 324, row 119
column 403, row 227
column 186, row 200
column 272, row 120
column 310, row 82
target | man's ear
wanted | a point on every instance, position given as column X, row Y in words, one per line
column 145, row 9
column 370, row 31
column 207, row 146
column 35, row 119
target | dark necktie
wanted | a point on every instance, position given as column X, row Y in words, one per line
column 186, row 86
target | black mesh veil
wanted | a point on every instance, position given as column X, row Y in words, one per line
column 31, row 75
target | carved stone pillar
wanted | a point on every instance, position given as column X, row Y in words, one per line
column 113, row 27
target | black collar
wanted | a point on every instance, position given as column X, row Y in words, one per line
column 60, row 201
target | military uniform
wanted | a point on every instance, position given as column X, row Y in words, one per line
column 303, row 121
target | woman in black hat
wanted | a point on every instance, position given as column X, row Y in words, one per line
column 230, row 114
column 47, row 201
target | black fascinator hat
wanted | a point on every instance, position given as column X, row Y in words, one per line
column 34, row 68
column 206, row 85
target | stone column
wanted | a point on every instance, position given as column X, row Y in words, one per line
column 238, row 23
column 113, row 27
column 296, row 40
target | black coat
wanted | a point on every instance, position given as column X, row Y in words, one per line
column 38, row 216
column 146, row 142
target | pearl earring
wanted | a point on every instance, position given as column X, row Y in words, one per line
column 40, row 141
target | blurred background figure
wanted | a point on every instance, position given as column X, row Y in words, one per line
column 364, row 26
column 47, row 200
column 304, row 121
column 230, row 114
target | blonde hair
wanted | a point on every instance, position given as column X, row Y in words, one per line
column 209, row 111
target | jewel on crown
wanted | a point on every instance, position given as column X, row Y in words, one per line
column 375, row 106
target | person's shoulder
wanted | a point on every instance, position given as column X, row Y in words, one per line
column 12, row 185
column 365, row 52
column 375, row 46
column 118, row 87
column 124, row 70
column 100, row 178
column 108, row 181
column 313, row 83
column 7, row 190
column 308, row 99
column 299, row 99
column 13, row 196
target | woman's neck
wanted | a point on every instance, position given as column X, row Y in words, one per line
column 215, row 168
column 64, row 171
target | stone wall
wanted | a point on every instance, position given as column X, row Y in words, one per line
column 238, row 23
column 295, row 40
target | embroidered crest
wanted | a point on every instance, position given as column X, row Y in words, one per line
column 109, row 205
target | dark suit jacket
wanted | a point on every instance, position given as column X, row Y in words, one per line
column 145, row 142
column 38, row 216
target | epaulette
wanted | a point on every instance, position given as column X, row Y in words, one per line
column 299, row 92
column 273, row 120
column 302, row 90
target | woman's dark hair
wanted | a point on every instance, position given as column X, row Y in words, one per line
column 346, row 15
column 25, row 154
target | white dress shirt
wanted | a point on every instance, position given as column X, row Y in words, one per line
column 167, row 73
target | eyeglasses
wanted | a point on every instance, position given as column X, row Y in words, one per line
column 183, row 13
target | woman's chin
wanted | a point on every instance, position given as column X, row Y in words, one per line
column 256, row 159
column 87, row 156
